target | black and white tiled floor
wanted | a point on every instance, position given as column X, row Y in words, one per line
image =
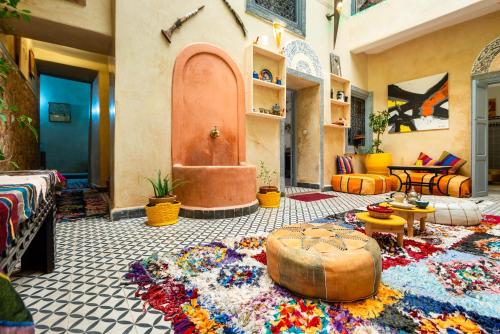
column 84, row 294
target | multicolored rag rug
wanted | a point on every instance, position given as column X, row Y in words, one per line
column 310, row 197
column 75, row 204
column 436, row 283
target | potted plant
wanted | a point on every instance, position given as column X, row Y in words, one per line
column 377, row 160
column 163, row 208
column 268, row 195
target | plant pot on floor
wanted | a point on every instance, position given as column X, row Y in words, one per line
column 162, row 214
column 376, row 163
column 270, row 199
column 267, row 189
column 166, row 199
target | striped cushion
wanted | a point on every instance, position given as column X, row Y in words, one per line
column 361, row 184
column 448, row 159
column 344, row 165
column 445, row 185
column 426, row 160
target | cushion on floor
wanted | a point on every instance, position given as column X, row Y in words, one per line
column 15, row 318
column 361, row 184
column 448, row 185
column 454, row 211
column 325, row 261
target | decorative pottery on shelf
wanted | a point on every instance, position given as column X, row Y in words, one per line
column 376, row 163
column 163, row 213
column 380, row 212
column 270, row 199
column 266, row 75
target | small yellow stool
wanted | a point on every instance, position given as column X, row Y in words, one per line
column 410, row 215
column 393, row 224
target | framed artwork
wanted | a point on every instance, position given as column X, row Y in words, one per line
column 419, row 105
column 32, row 63
column 492, row 108
column 59, row 112
column 335, row 64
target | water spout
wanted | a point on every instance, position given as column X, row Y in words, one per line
column 214, row 133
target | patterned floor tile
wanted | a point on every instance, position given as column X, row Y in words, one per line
column 85, row 295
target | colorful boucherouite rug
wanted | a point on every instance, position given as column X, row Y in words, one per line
column 75, row 204
column 446, row 280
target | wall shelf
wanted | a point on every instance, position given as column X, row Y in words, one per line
column 267, row 84
column 260, row 114
column 340, row 103
column 336, row 126
column 338, row 108
column 260, row 93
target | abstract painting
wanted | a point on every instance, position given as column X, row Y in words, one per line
column 419, row 105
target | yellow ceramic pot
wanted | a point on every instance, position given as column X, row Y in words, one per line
column 270, row 199
column 377, row 163
column 163, row 214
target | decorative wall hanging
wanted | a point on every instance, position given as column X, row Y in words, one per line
column 418, row 105
column 237, row 18
column 168, row 33
column 59, row 112
column 335, row 65
column 301, row 57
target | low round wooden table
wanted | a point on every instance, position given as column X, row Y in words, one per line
column 411, row 214
column 393, row 224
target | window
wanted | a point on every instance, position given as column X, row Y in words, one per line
column 361, row 5
column 359, row 134
column 291, row 12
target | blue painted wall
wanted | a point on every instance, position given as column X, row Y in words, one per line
column 66, row 144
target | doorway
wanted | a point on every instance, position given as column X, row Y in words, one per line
column 485, row 171
column 64, row 125
column 302, row 132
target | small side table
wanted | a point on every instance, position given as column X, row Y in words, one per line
column 410, row 214
column 393, row 224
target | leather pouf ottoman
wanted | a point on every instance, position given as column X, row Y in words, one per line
column 324, row 261
column 453, row 211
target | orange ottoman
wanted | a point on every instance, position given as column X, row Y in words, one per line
column 361, row 184
column 325, row 261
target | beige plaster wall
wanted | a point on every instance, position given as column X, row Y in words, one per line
column 94, row 16
column 144, row 64
column 451, row 50
column 307, row 117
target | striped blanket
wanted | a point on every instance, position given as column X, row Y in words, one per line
column 20, row 195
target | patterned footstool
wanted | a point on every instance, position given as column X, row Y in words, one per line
column 361, row 184
column 453, row 211
column 325, row 261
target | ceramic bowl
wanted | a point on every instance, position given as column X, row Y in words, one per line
column 422, row 204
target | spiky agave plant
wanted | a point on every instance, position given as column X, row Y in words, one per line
column 165, row 186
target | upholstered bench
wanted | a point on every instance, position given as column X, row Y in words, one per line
column 325, row 261
column 445, row 185
column 453, row 211
column 361, row 184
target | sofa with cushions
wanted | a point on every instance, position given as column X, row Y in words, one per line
column 451, row 184
column 349, row 180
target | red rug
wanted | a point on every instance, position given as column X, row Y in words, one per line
column 491, row 219
column 310, row 197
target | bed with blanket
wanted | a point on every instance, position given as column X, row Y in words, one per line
column 27, row 220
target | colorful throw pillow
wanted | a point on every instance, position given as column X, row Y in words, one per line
column 344, row 165
column 426, row 160
column 448, row 159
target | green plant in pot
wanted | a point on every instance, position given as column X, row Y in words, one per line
column 377, row 160
column 267, row 177
column 163, row 188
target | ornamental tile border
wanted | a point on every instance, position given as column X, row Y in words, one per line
column 483, row 61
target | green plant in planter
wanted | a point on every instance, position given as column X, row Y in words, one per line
column 164, row 187
column 10, row 113
column 267, row 177
column 378, row 122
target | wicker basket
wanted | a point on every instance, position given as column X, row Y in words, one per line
column 163, row 214
column 270, row 199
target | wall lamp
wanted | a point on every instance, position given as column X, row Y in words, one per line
column 339, row 6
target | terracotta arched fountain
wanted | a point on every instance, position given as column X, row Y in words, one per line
column 208, row 135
